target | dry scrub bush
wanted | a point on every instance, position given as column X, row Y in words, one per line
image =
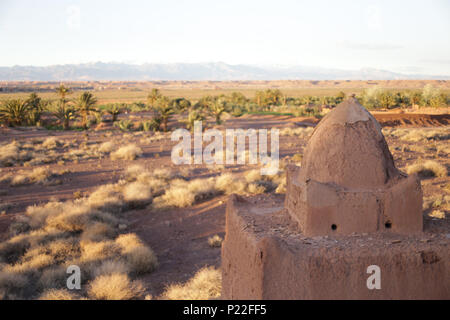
column 281, row 188
column 419, row 135
column 37, row 152
column 229, row 184
column 137, row 194
column 297, row 158
column 443, row 149
column 11, row 284
column 205, row 285
column 41, row 175
column 215, row 241
column 51, row 143
column 427, row 169
column 12, row 153
column 183, row 193
column 106, row 147
column 139, row 258
column 53, row 277
column 128, row 152
column 116, row 286
column 98, row 231
column 59, row 294
column 9, row 153
column 107, row 198
column 82, row 232
column 437, row 214
column 437, row 202
column 110, row 267
column 300, row 132
column 101, row 250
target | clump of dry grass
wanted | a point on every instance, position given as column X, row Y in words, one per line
column 437, row 214
column 13, row 153
column 81, row 232
column 53, row 277
column 428, row 168
column 107, row 198
column 205, row 285
column 51, row 143
column 229, row 184
column 443, row 148
column 183, row 193
column 12, row 284
column 40, row 175
column 128, row 152
column 297, row 158
column 139, row 258
column 93, row 254
column 98, row 231
column 106, row 147
column 109, row 267
column 9, row 153
column 300, row 132
column 116, row 286
column 137, row 194
column 437, row 203
column 215, row 241
column 419, row 135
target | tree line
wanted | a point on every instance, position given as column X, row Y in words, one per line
column 63, row 111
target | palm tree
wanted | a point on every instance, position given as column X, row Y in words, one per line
column 154, row 95
column 85, row 105
column 238, row 98
column 180, row 105
column 14, row 112
column 164, row 110
column 36, row 106
column 114, row 110
column 193, row 116
column 216, row 108
column 259, row 98
column 63, row 113
column 62, row 91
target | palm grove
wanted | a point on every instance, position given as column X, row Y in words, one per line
column 83, row 111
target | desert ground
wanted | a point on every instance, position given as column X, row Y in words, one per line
column 113, row 202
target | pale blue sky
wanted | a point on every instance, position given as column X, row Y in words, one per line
column 399, row 35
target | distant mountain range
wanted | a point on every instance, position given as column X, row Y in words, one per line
column 195, row 71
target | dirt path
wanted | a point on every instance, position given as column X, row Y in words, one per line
column 179, row 237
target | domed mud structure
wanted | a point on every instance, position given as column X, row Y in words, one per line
column 348, row 181
column 348, row 149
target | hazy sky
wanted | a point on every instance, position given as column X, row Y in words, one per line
column 402, row 35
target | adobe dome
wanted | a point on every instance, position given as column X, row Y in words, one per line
column 348, row 149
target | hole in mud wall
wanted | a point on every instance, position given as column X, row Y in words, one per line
column 333, row 227
column 388, row 225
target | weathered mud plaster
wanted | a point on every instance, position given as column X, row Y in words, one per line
column 265, row 257
column 345, row 209
column 348, row 182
